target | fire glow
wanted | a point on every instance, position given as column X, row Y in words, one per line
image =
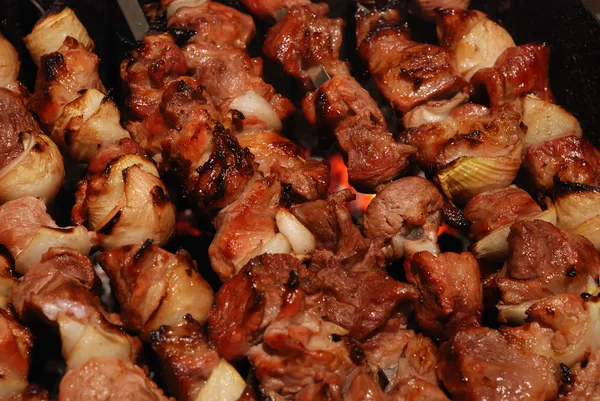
column 339, row 181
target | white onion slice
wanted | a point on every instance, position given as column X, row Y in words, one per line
column 302, row 240
column 175, row 5
column 224, row 384
column 254, row 105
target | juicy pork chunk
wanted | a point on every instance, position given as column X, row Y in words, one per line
column 451, row 291
column 155, row 287
column 57, row 290
column 151, row 68
column 372, row 155
column 14, row 119
column 248, row 302
column 108, row 379
column 564, row 328
column 406, row 72
column 405, row 216
column 304, row 40
column 568, row 159
column 186, row 360
column 469, row 131
column 61, row 78
column 479, row 364
column 494, row 209
column 229, row 73
column 518, row 70
column 214, row 23
column 545, row 261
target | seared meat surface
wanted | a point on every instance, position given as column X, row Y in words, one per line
column 494, row 209
column 480, row 364
column 304, row 40
column 568, row 159
column 107, row 379
column 544, row 260
column 450, row 289
column 372, row 155
column 406, row 72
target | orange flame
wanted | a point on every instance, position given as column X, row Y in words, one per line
column 339, row 181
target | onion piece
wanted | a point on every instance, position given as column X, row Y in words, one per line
column 514, row 314
column 174, row 5
column 224, row 384
column 80, row 342
column 251, row 104
column 86, row 124
column 464, row 178
column 38, row 171
column 132, row 206
column 433, row 111
column 9, row 63
column 576, row 204
column 277, row 244
column 76, row 238
column 302, row 240
column 494, row 246
column 50, row 32
column 590, row 230
column 545, row 121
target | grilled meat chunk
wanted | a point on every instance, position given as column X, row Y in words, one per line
column 406, row 72
column 494, row 209
column 451, row 292
column 372, row 155
column 108, row 379
column 305, row 40
column 480, row 364
column 544, row 261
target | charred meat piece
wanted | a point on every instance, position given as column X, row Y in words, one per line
column 276, row 154
column 299, row 350
column 151, row 67
column 248, row 302
column 61, row 77
column 451, row 292
column 104, row 378
column 155, row 287
column 480, row 364
column 372, row 155
column 469, row 131
column 564, row 328
column 185, row 358
column 305, row 40
column 544, row 261
column 568, row 159
column 243, row 227
column 213, row 23
column 228, row 74
column 405, row 215
column 57, row 291
column 475, row 41
column 359, row 296
column 406, row 72
column 518, row 70
column 494, row 209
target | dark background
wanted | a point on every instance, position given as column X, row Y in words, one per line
column 566, row 25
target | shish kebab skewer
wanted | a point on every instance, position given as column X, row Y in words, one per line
column 122, row 199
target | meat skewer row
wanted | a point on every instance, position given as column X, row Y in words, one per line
column 165, row 299
column 217, row 173
column 304, row 41
column 16, row 342
column 30, row 163
column 122, row 198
